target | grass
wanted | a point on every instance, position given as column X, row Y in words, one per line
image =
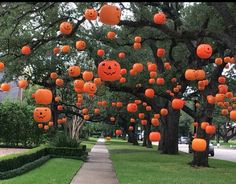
column 140, row 165
column 231, row 144
column 55, row 171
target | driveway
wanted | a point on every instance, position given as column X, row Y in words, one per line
column 220, row 153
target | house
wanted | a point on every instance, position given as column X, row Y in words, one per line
column 14, row 93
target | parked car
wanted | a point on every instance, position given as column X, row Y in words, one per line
column 210, row 150
column 183, row 140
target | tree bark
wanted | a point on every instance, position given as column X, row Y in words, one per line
column 169, row 132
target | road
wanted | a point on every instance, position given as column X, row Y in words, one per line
column 220, row 153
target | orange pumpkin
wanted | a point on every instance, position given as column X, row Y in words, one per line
column 151, row 81
column 148, row 108
column 141, row 115
column 119, row 104
column 74, row 71
column 173, row 80
column 131, row 128
column 222, row 80
column 56, row 50
column 200, row 74
column 218, row 61
column 132, row 107
column 138, row 67
column 160, row 81
column 152, row 67
column 195, row 124
column 227, row 59
column 112, row 119
column 177, row 103
column 80, row 45
column 109, row 70
column 154, row 136
column 219, row 97
column 40, row 125
column 86, row 117
column 46, row 127
column 223, row 89
column 153, row 74
column 66, row 28
column 204, row 125
column 138, row 39
column 2, row 66
column 5, row 87
column 137, row 101
column 123, row 71
column 122, row 80
column 224, row 112
column 65, row 49
column 57, row 99
column 164, row 112
column 50, row 123
column 97, row 81
column 42, row 114
column 161, row 52
column 90, row 14
column 78, row 83
column 60, row 107
column 199, row 145
column 144, row 122
column 100, row 52
column 190, row 75
column 150, row 93
column 85, row 111
column 97, row 111
column 118, row 132
column 43, row 96
column 204, row 51
column 87, row 75
column 90, row 87
column 59, row 82
column 159, row 18
column 22, row 84
column 26, row 50
column 137, row 45
column 210, row 99
column 53, row 75
column 229, row 95
column 157, row 116
column 232, row 115
column 111, row 35
column 155, row 122
column 167, row 65
column 132, row 120
column 110, row 14
column 210, row 129
column 121, row 55
column 144, row 104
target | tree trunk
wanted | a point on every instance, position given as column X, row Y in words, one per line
column 169, row 132
column 147, row 130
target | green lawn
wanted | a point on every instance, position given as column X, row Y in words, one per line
column 55, row 171
column 139, row 165
column 231, row 144
column 89, row 143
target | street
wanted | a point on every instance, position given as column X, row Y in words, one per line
column 220, row 153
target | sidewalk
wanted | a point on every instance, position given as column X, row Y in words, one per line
column 98, row 168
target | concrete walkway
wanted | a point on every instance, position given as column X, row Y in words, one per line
column 98, row 168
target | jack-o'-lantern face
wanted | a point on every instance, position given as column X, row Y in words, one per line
column 109, row 70
column 66, row 27
column 79, row 83
column 80, row 45
column 42, row 114
column 74, row 71
column 204, row 51
column 91, row 14
column 110, row 15
column 90, row 87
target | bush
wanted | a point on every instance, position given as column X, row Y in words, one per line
column 22, row 163
column 61, row 140
column 17, row 126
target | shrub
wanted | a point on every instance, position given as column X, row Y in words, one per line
column 17, row 126
column 61, row 140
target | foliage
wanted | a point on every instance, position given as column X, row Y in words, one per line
column 17, row 126
column 61, row 140
column 55, row 171
column 149, row 166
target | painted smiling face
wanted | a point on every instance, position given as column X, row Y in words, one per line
column 74, row 71
column 90, row 14
column 110, row 14
column 204, row 51
column 66, row 28
column 80, row 45
column 42, row 114
column 109, row 70
column 90, row 87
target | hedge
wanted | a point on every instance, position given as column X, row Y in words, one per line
column 17, row 165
